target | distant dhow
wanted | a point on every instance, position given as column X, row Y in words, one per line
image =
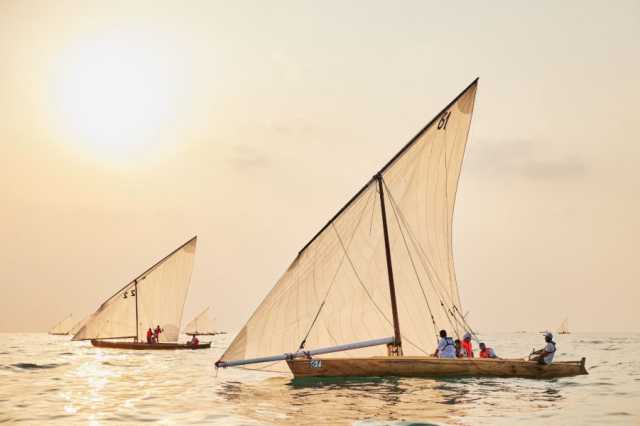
column 154, row 298
column 63, row 327
column 201, row 325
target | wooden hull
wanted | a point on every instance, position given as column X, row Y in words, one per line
column 146, row 346
column 206, row 334
column 432, row 367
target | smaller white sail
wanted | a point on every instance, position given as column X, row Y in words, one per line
column 64, row 326
column 201, row 325
column 564, row 327
column 154, row 298
column 79, row 325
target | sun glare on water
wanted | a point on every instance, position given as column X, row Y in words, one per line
column 116, row 95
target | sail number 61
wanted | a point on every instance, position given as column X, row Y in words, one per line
column 444, row 119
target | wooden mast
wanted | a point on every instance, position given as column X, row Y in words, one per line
column 396, row 348
column 135, row 286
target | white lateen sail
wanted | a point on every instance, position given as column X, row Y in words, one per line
column 339, row 290
column 564, row 327
column 155, row 297
column 78, row 325
column 63, row 326
column 201, row 325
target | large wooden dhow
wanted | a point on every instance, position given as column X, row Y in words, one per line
column 154, row 298
column 382, row 266
column 422, row 366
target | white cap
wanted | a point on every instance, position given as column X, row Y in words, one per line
column 548, row 334
column 467, row 335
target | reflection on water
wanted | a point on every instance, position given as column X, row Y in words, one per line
column 334, row 401
column 48, row 379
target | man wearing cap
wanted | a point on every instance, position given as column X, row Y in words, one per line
column 466, row 345
column 545, row 355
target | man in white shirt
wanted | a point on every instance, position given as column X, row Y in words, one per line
column 545, row 355
column 446, row 346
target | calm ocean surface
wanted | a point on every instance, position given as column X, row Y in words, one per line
column 50, row 380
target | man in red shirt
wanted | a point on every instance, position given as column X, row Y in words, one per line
column 466, row 344
column 486, row 352
column 156, row 334
column 149, row 335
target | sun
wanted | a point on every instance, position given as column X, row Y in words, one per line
column 116, row 94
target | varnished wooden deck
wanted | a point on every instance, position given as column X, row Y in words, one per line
column 407, row 366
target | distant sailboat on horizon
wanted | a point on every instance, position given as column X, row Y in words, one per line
column 201, row 325
column 63, row 327
column 78, row 325
column 154, row 298
column 564, row 327
column 380, row 273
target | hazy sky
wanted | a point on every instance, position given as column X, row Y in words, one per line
column 125, row 130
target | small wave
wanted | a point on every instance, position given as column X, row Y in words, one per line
column 619, row 413
column 31, row 366
column 65, row 353
column 593, row 342
column 119, row 364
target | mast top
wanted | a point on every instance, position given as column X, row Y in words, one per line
column 391, row 161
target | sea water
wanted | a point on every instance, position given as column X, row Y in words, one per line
column 51, row 380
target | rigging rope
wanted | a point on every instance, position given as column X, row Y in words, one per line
column 371, row 297
column 424, row 295
column 335, row 275
column 422, row 256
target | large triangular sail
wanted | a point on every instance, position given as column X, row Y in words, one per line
column 155, row 297
column 337, row 290
column 201, row 325
column 63, row 327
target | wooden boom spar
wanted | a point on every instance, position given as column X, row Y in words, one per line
column 309, row 353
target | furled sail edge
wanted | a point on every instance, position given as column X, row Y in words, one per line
column 155, row 265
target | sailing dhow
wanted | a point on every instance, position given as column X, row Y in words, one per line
column 154, row 298
column 564, row 327
column 63, row 327
column 380, row 273
column 201, row 325
column 78, row 326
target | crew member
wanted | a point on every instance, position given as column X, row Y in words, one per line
column 466, row 344
column 446, row 346
column 486, row 352
column 545, row 355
